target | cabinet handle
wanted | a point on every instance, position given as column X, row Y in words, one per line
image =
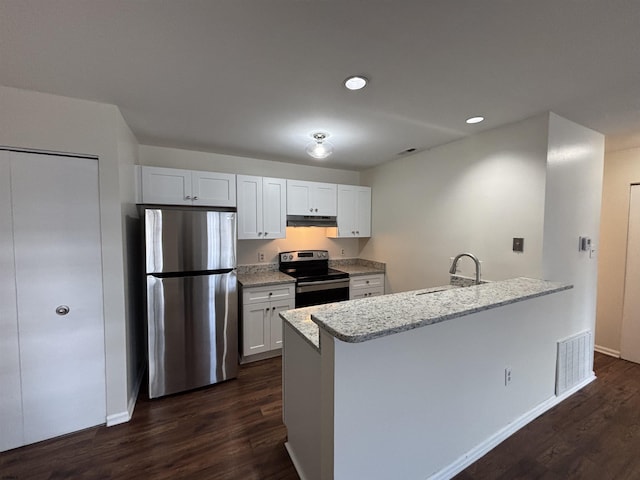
column 352, row 232
column 311, row 209
column 270, row 293
column 188, row 197
column 259, row 234
column 265, row 233
column 357, row 232
column 273, row 308
column 316, row 209
column 195, row 197
column 367, row 282
column 266, row 309
column 62, row 310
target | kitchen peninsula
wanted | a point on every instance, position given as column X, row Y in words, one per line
column 414, row 385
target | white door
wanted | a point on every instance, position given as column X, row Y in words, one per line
column 58, row 264
column 276, row 321
column 299, row 197
column 274, row 209
column 347, row 199
column 250, row 219
column 213, row 189
column 166, row 186
column 256, row 330
column 363, row 215
column 630, row 338
column 324, row 199
column 10, row 396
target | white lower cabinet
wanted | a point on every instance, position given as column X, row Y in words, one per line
column 261, row 324
column 364, row 286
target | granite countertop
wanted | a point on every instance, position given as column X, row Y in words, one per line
column 300, row 318
column 355, row 270
column 357, row 266
column 365, row 319
column 261, row 279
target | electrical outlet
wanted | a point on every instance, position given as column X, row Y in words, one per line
column 261, row 256
column 342, row 252
column 507, row 376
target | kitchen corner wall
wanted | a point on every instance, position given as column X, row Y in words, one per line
column 473, row 195
column 621, row 170
column 297, row 238
column 572, row 209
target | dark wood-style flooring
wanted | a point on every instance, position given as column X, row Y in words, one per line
column 234, row 431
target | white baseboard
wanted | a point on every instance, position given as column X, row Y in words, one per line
column 123, row 417
column 607, row 351
column 294, row 460
column 483, row 448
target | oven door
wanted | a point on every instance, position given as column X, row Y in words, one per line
column 322, row 291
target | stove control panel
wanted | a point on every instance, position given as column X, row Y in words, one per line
column 304, row 255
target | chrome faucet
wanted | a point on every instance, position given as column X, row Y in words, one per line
column 454, row 265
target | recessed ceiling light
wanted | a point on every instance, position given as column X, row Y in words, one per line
column 475, row 119
column 356, row 82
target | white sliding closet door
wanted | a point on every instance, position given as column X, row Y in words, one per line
column 56, row 224
column 10, row 396
column 630, row 338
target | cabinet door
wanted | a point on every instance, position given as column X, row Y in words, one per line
column 347, row 198
column 324, row 199
column 299, row 197
column 58, row 261
column 274, row 207
column 363, row 213
column 256, row 328
column 166, row 186
column 250, row 218
column 11, row 398
column 213, row 189
column 276, row 321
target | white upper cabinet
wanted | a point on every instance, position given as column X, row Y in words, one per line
column 311, row 198
column 261, row 207
column 354, row 212
column 214, row 189
column 172, row 186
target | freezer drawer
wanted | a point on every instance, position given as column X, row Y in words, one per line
column 192, row 331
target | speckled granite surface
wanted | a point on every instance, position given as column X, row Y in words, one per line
column 357, row 266
column 300, row 318
column 365, row 319
column 257, row 268
column 263, row 279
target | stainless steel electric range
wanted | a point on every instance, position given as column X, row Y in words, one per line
column 316, row 283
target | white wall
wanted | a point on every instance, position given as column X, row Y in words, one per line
column 473, row 195
column 297, row 238
column 131, row 235
column 621, row 169
column 40, row 121
column 572, row 209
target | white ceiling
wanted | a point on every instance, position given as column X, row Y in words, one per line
column 257, row 77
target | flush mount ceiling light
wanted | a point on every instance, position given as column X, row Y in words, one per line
column 356, row 82
column 319, row 148
column 475, row 119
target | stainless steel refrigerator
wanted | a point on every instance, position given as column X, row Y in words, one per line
column 192, row 307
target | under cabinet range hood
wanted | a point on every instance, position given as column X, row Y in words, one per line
column 311, row 221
